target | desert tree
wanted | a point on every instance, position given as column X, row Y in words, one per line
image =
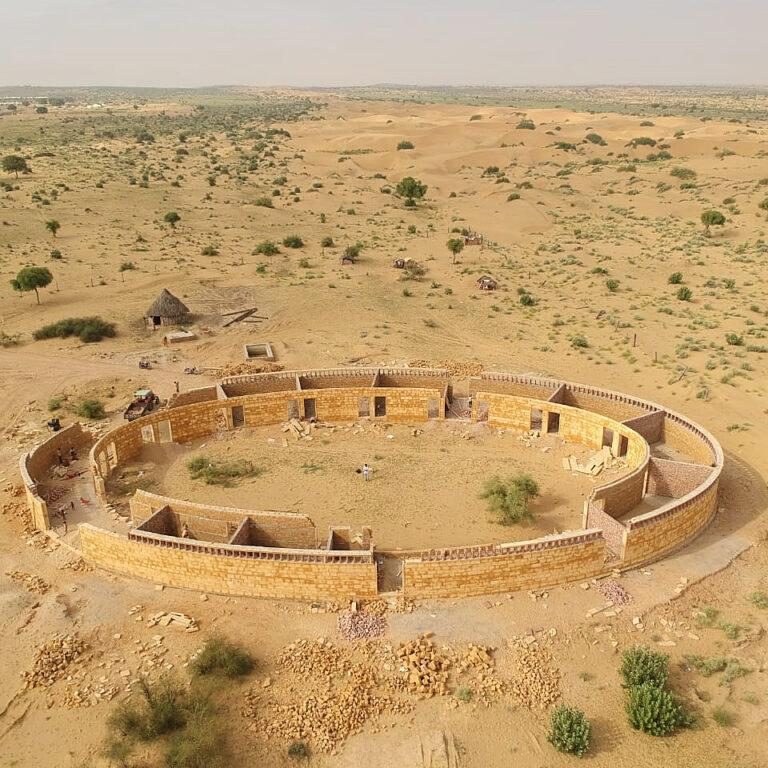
column 15, row 164
column 455, row 245
column 712, row 218
column 411, row 189
column 53, row 226
column 32, row 278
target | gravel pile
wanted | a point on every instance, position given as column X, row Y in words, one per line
column 52, row 659
column 361, row 626
column 613, row 591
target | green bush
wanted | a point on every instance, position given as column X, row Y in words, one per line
column 405, row 145
column 513, row 196
column 91, row 409
column 200, row 745
column 298, row 750
column 526, row 124
column 88, row 329
column 579, row 341
column 654, row 710
column 612, row 285
column 569, row 730
column 642, row 665
column 160, row 710
column 595, row 138
column 223, row 473
column 264, row 202
column 220, row 657
column 675, row 278
column 684, row 294
column 683, row 173
column 266, row 248
column 509, row 498
column 293, row 241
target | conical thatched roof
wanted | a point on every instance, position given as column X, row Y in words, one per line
column 167, row 305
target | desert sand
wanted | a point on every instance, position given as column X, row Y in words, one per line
column 591, row 229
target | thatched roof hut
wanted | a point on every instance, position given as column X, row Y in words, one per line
column 166, row 309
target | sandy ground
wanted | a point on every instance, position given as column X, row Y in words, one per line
column 584, row 210
column 425, row 488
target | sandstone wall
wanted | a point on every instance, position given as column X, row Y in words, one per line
column 536, row 564
column 227, row 570
column 275, row 529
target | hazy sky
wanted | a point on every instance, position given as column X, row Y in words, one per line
column 356, row 42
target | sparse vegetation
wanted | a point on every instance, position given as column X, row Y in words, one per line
column 220, row 472
column 87, row 329
column 221, row 657
column 509, row 498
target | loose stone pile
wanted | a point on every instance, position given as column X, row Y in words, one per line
column 29, row 581
column 613, row 591
column 361, row 626
column 537, row 684
column 52, row 659
column 426, row 667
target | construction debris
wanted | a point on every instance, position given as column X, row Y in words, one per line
column 603, row 459
column 247, row 368
column 30, row 582
column 537, row 684
column 425, row 667
column 166, row 619
column 52, row 659
column 454, row 367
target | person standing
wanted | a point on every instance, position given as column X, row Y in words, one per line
column 176, row 384
column 366, row 472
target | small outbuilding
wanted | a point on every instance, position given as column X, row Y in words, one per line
column 399, row 263
column 166, row 309
column 486, row 283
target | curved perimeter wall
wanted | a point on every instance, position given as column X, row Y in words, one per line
column 585, row 415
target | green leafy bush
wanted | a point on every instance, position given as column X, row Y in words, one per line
column 224, row 473
column 405, row 145
column 569, row 730
column 654, row 710
column 88, row 329
column 159, row 711
column 526, row 125
column 595, row 138
column 266, row 248
column 220, row 657
column 684, row 294
column 642, row 665
column 675, row 278
column 509, row 498
column 293, row 241
column 91, row 409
